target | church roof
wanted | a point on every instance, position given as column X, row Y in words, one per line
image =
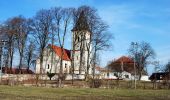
column 58, row 51
column 81, row 23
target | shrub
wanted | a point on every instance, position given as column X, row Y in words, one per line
column 50, row 75
column 94, row 83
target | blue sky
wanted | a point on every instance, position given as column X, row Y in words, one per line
column 129, row 20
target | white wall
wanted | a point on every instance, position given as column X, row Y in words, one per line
column 145, row 78
column 55, row 66
column 77, row 52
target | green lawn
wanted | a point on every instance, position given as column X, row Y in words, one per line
column 39, row 93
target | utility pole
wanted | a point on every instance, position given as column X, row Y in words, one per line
column 135, row 44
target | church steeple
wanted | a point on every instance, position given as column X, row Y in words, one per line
column 80, row 45
column 81, row 23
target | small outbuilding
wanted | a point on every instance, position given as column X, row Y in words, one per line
column 159, row 76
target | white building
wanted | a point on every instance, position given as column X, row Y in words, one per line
column 104, row 73
column 52, row 57
column 79, row 53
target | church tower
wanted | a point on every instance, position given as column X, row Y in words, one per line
column 81, row 46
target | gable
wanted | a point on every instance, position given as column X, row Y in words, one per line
column 58, row 51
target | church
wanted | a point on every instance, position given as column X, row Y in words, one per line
column 79, row 55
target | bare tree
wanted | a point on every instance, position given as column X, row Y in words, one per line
column 117, row 69
column 30, row 54
column 22, row 31
column 101, row 41
column 3, row 45
column 41, row 26
column 141, row 53
column 9, row 29
column 167, row 70
column 53, row 39
column 167, row 67
column 1, row 50
column 62, row 18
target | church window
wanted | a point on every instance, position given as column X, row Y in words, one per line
column 77, row 57
column 48, row 66
column 115, row 74
column 65, row 65
column 107, row 74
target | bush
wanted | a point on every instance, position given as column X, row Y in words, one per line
column 50, row 75
column 94, row 83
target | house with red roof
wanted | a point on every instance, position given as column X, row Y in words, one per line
column 123, row 68
column 103, row 73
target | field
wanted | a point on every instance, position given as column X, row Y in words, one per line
column 42, row 93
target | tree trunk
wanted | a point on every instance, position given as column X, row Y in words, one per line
column 72, row 66
column 88, row 65
column 28, row 66
column 140, row 75
column 94, row 64
column 7, row 64
column 41, row 68
column 61, row 68
column 11, row 59
column 20, row 64
column 81, row 55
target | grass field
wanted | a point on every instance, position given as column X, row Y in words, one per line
column 41, row 93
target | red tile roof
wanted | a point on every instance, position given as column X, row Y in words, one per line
column 128, row 64
column 99, row 68
column 124, row 59
column 102, row 69
column 58, row 51
column 16, row 71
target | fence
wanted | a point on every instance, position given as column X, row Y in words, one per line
column 30, row 80
column 122, row 84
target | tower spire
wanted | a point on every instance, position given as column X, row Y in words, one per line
column 81, row 23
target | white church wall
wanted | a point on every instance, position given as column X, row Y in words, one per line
column 37, row 68
column 52, row 67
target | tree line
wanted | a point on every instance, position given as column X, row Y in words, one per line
column 30, row 36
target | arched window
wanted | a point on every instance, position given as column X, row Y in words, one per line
column 78, row 39
column 48, row 66
column 65, row 65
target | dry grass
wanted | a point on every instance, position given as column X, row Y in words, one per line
column 41, row 93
